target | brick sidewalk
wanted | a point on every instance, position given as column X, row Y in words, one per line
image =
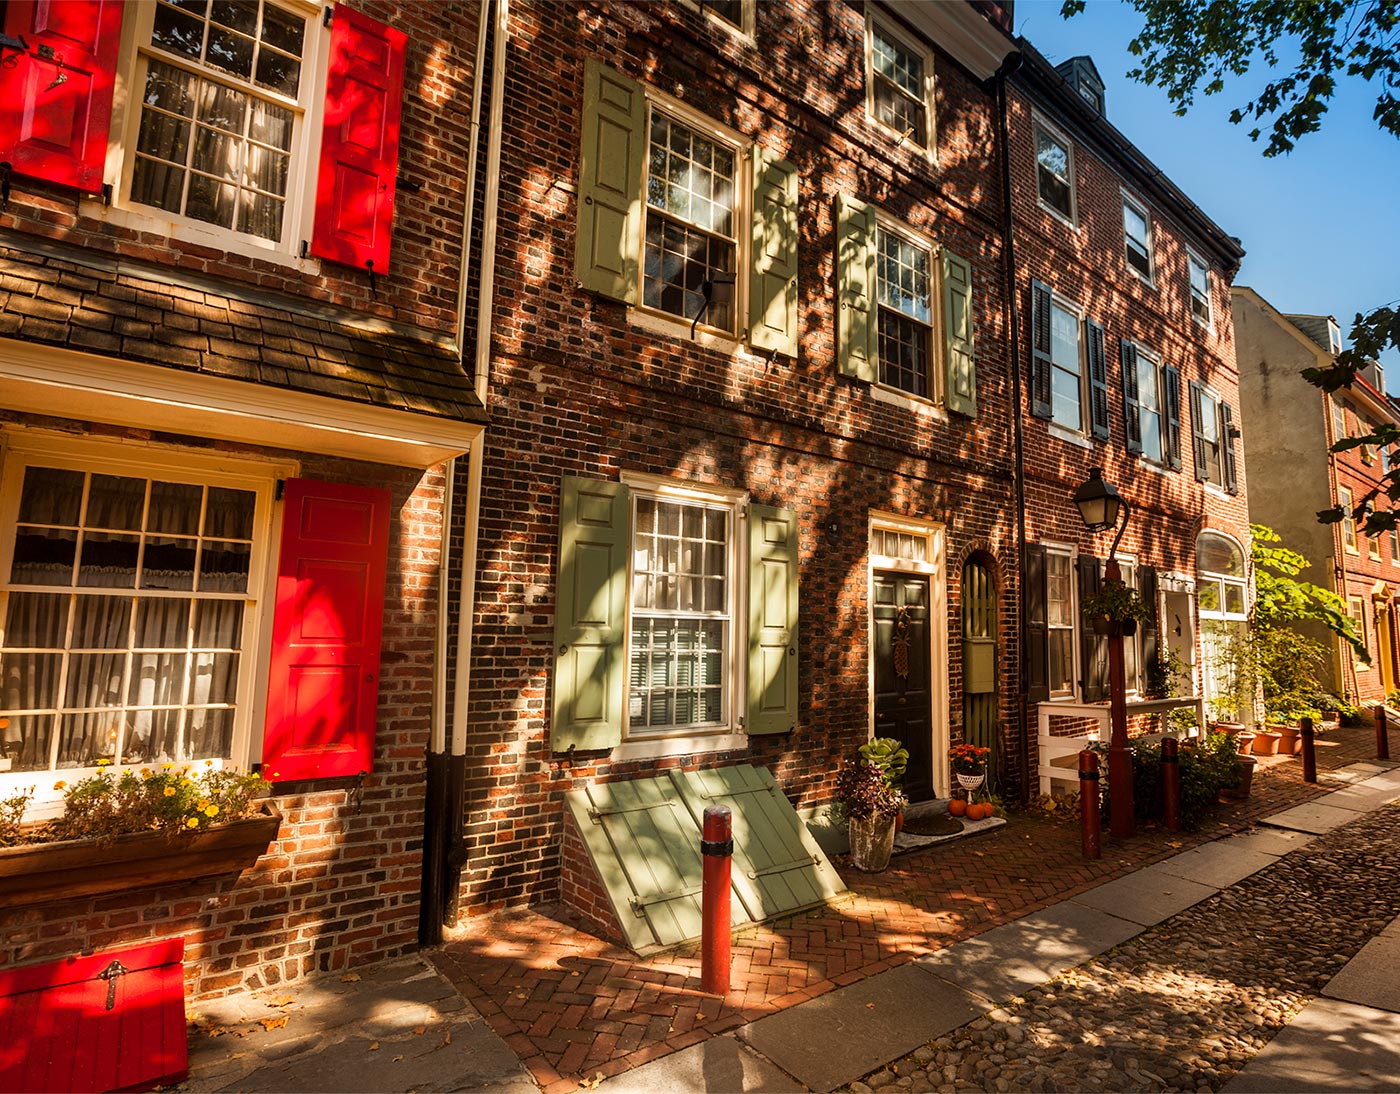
column 575, row 1007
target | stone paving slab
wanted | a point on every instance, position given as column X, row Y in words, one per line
column 1360, row 797
column 1314, row 817
column 1329, row 1045
column 1006, row 961
column 1146, row 897
column 1372, row 977
column 721, row 1064
column 1271, row 841
column 1217, row 864
column 838, row 1037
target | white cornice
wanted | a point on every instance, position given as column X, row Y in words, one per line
column 66, row 383
column 960, row 29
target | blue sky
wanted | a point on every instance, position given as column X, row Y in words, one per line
column 1321, row 226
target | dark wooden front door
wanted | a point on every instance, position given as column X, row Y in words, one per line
column 903, row 697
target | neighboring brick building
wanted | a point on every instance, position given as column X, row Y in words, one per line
column 1295, row 476
column 1127, row 353
column 702, row 543
column 194, row 404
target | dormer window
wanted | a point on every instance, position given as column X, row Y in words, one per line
column 1092, row 95
column 1334, row 335
column 1080, row 74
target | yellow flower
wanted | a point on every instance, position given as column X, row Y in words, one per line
column 208, row 763
column 193, row 822
column 166, row 767
column 103, row 761
column 212, row 811
column 145, row 772
column 59, row 785
column 169, row 791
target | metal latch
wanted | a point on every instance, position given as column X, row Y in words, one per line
column 110, row 974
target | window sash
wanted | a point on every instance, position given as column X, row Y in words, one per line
column 1053, row 173
column 1066, row 368
column 898, row 86
column 1150, row 402
column 1136, row 234
column 1059, row 623
column 1200, row 290
column 904, row 296
column 1348, row 521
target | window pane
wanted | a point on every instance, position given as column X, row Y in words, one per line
column 175, row 508
column 50, row 496
column 230, row 513
column 905, row 349
column 36, row 620
column 1059, row 611
column 1061, row 667
column 1066, row 384
column 903, row 275
column 44, row 556
column 1216, row 554
column 108, row 560
column 1053, row 174
column 1234, row 599
column 26, row 741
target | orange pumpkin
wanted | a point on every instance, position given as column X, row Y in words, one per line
column 957, row 807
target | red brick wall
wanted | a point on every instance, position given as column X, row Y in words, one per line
column 579, row 388
column 581, row 888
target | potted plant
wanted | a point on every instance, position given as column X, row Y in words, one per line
column 1115, row 603
column 892, row 758
column 870, row 805
column 968, row 763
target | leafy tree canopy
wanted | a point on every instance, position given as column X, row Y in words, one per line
column 1280, row 598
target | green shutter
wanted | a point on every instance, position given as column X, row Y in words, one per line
column 590, row 615
column 773, row 279
column 958, row 360
column 772, row 706
column 608, row 245
column 855, row 289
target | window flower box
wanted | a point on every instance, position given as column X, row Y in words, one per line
column 40, row 873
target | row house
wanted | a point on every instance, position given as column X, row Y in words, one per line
column 1296, row 476
column 236, row 357
column 1124, row 342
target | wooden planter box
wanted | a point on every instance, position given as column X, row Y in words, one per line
column 41, row 873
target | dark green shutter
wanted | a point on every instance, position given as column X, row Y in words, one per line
column 590, row 615
column 1132, row 416
column 607, row 249
column 1147, row 589
column 959, row 362
column 1227, row 447
column 772, row 668
column 773, row 278
column 1098, row 381
column 1041, row 403
column 1033, row 596
column 1198, row 436
column 1172, row 379
column 855, row 290
column 1093, row 647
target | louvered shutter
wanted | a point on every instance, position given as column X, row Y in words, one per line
column 1198, row 436
column 323, row 683
column 590, row 615
column 58, row 95
column 1227, row 447
column 1098, row 380
column 1033, row 596
column 1132, row 416
column 959, row 361
column 1093, row 647
column 1172, row 379
column 855, row 289
column 1147, row 589
column 1042, row 405
column 772, row 700
column 773, row 279
column 608, row 244
column 355, row 183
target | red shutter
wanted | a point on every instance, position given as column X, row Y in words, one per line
column 58, row 97
column 359, row 142
column 323, row 688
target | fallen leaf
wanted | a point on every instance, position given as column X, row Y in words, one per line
column 349, row 978
column 282, row 1002
column 574, row 973
column 374, row 1047
column 447, row 1037
column 869, row 1006
column 396, row 1059
column 270, row 1024
column 418, row 1031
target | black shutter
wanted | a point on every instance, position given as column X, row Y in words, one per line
column 1132, row 419
column 1093, row 647
column 1227, row 447
column 1041, row 405
column 1147, row 589
column 1033, row 596
column 1098, row 380
column 1172, row 377
column 1198, row 437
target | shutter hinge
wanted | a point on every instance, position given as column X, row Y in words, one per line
column 279, row 490
column 369, row 265
column 110, row 974
column 5, row 169
column 327, row 16
column 305, row 248
column 107, row 194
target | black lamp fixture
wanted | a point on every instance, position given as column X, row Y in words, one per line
column 718, row 291
column 1098, row 501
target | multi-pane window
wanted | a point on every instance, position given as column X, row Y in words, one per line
column 1357, row 610
column 1059, row 622
column 905, row 546
column 1150, row 407
column 903, row 294
column 1199, row 274
column 1207, row 413
column 220, row 109
column 124, row 618
column 690, row 221
column 1054, row 166
column 1066, row 369
column 739, row 14
column 1395, row 546
column 1373, row 547
column 1348, row 520
column 680, row 614
column 1137, row 240
column 1339, row 420
column 1221, row 577
column 898, row 96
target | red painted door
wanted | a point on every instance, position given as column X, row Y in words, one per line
column 323, row 688
column 110, row 1021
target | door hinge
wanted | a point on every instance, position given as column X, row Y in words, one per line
column 110, row 974
column 327, row 16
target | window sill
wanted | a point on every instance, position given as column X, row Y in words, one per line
column 657, row 748
column 673, row 326
column 895, row 397
column 41, row 873
column 182, row 230
column 1068, row 221
column 1070, row 436
column 1147, row 282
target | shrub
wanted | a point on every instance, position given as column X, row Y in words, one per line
column 862, row 792
column 1206, row 768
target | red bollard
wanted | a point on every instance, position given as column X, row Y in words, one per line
column 716, row 848
column 1171, row 783
column 1382, row 739
column 1309, row 751
column 1089, row 807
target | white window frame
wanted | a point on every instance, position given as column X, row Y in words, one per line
column 1038, row 126
column 1159, row 386
column 936, row 379
column 728, row 733
column 1220, row 579
column 1348, row 522
column 1070, row 555
column 1394, row 547
column 1356, row 608
column 1339, row 419
column 1085, row 409
column 170, row 464
column 1149, row 278
column 926, row 142
column 305, row 146
column 745, row 28
column 1222, row 440
column 1206, row 300
column 1373, row 548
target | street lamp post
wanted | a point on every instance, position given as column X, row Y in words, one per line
column 1100, row 504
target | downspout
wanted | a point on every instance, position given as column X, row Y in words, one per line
column 442, row 807
column 1345, row 660
column 1013, row 321
column 457, row 856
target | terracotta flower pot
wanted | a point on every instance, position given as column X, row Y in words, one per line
column 1266, row 743
column 872, row 842
column 1290, row 740
column 1240, row 791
